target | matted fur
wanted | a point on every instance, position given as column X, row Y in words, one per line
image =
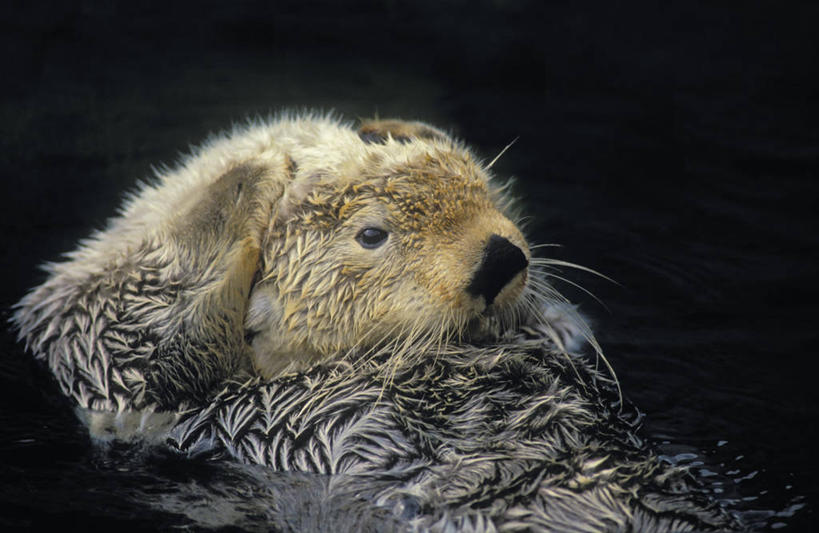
column 508, row 437
column 228, row 309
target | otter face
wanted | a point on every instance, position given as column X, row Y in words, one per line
column 404, row 244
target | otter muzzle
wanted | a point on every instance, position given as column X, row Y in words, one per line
column 501, row 262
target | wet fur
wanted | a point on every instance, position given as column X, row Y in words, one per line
column 228, row 311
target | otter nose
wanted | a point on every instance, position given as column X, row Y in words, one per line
column 501, row 262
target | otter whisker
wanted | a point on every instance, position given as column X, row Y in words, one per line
column 377, row 346
column 577, row 285
column 542, row 265
column 505, row 148
column 547, row 291
column 401, row 345
column 414, row 343
column 440, row 334
column 543, row 245
column 558, row 262
column 540, row 297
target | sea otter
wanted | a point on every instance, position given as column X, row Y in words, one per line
column 275, row 247
column 357, row 302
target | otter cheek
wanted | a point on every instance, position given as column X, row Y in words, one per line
column 501, row 273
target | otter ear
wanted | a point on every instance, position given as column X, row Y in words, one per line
column 378, row 131
column 218, row 240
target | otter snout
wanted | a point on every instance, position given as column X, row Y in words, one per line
column 501, row 262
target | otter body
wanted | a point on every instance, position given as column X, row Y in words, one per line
column 272, row 248
column 357, row 302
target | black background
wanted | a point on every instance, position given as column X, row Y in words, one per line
column 673, row 146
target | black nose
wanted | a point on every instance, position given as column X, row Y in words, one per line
column 501, row 261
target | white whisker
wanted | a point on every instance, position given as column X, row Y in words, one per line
column 558, row 262
column 544, row 245
column 577, row 285
column 502, row 152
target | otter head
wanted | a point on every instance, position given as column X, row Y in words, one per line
column 390, row 236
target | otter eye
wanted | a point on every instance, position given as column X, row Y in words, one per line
column 371, row 237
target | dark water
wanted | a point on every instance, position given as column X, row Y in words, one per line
column 673, row 147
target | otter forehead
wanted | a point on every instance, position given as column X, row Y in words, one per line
column 433, row 202
column 421, row 187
